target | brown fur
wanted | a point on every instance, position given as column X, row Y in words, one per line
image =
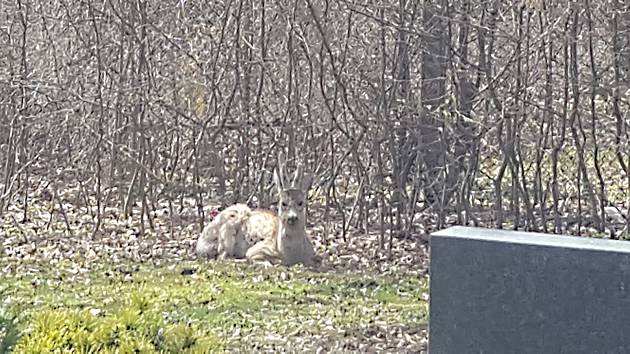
column 262, row 226
column 224, row 236
column 284, row 238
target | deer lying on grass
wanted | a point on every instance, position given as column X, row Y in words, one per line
column 284, row 238
column 224, row 236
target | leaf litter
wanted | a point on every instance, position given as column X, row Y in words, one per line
column 352, row 303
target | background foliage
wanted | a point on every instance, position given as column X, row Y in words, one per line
column 412, row 114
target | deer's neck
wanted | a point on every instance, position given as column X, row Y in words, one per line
column 290, row 239
column 293, row 244
column 290, row 232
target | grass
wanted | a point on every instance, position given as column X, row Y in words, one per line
column 192, row 307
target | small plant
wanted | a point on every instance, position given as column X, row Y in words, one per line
column 127, row 331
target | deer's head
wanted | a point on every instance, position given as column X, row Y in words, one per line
column 292, row 193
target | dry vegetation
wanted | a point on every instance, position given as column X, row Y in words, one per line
column 124, row 125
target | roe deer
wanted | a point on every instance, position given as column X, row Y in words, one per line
column 223, row 237
column 284, row 238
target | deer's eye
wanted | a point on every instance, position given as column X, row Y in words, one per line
column 300, row 203
column 284, row 204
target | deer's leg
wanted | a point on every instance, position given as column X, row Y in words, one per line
column 241, row 245
column 227, row 240
column 207, row 243
column 263, row 251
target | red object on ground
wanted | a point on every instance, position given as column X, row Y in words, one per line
column 213, row 213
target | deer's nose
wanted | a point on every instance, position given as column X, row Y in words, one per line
column 292, row 218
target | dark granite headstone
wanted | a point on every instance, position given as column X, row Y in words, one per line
column 501, row 292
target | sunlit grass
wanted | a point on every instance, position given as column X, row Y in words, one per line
column 167, row 309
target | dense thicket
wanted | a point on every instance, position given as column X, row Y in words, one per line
column 511, row 114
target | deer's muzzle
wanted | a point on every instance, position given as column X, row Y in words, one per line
column 291, row 217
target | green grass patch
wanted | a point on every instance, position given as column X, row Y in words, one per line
column 196, row 308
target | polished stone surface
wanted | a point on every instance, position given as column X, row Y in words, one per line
column 496, row 291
